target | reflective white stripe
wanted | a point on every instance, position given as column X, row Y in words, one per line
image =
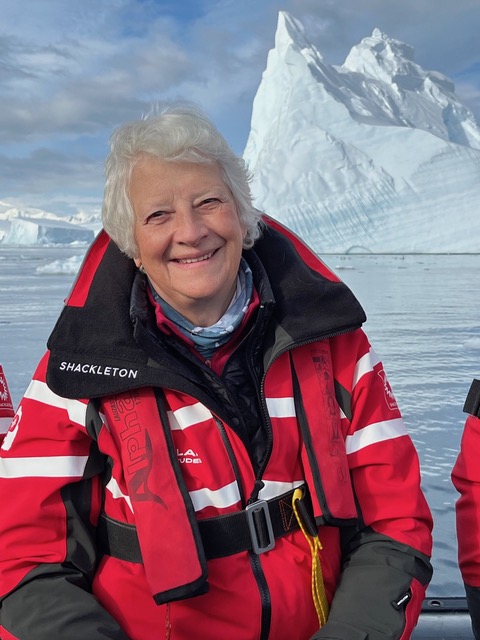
column 40, row 392
column 4, row 424
column 51, row 467
column 342, row 415
column 221, row 498
column 281, row 407
column 116, row 492
column 273, row 489
column 188, row 416
column 374, row 433
column 365, row 365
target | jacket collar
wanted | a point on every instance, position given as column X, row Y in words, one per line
column 103, row 340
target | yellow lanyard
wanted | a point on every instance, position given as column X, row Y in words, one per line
column 318, row 587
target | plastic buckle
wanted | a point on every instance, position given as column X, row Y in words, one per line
column 254, row 511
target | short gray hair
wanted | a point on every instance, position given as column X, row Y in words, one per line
column 172, row 133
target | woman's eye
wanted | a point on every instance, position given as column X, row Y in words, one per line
column 155, row 216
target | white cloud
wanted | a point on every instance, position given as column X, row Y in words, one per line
column 72, row 71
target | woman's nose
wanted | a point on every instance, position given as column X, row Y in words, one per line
column 190, row 227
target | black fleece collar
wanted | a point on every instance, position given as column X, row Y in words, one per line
column 110, row 344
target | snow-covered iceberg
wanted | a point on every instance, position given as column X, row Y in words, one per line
column 375, row 155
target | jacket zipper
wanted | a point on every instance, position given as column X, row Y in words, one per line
column 254, row 559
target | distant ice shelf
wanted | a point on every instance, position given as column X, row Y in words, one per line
column 44, row 231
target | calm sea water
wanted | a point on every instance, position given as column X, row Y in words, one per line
column 423, row 320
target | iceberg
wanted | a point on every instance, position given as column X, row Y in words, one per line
column 45, row 231
column 376, row 155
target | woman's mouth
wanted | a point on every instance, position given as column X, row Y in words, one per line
column 206, row 256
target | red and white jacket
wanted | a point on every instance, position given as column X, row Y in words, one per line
column 466, row 479
column 118, row 427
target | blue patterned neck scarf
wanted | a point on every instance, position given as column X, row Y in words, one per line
column 208, row 339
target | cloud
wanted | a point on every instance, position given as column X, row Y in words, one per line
column 90, row 78
column 34, row 171
column 53, row 181
column 70, row 72
column 444, row 34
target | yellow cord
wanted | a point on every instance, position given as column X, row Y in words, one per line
column 318, row 587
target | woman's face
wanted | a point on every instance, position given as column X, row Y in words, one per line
column 188, row 234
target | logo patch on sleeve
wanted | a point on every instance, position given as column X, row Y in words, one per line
column 387, row 391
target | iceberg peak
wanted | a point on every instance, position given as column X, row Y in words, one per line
column 365, row 152
column 290, row 34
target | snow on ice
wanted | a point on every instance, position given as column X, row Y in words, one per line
column 375, row 155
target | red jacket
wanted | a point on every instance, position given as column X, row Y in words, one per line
column 116, row 423
column 466, row 479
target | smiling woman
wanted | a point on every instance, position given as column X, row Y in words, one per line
column 210, row 432
column 189, row 235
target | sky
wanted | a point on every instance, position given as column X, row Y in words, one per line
column 70, row 72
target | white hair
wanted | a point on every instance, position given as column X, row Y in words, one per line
column 172, row 133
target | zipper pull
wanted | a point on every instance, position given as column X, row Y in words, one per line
column 257, row 487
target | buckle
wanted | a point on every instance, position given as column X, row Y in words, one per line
column 260, row 526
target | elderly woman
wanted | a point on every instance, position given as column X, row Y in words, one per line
column 210, row 448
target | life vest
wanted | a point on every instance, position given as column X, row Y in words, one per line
column 179, row 468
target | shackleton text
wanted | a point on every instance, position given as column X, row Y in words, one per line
column 98, row 370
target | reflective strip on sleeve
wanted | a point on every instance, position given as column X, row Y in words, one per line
column 377, row 432
column 45, row 467
column 40, row 392
column 365, row 365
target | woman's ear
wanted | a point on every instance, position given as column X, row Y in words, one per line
column 138, row 263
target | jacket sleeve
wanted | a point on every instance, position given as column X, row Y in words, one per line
column 50, row 498
column 466, row 479
column 473, row 602
column 385, row 561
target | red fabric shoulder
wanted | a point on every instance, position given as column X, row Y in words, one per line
column 307, row 255
column 83, row 281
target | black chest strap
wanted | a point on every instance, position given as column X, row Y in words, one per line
column 253, row 529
